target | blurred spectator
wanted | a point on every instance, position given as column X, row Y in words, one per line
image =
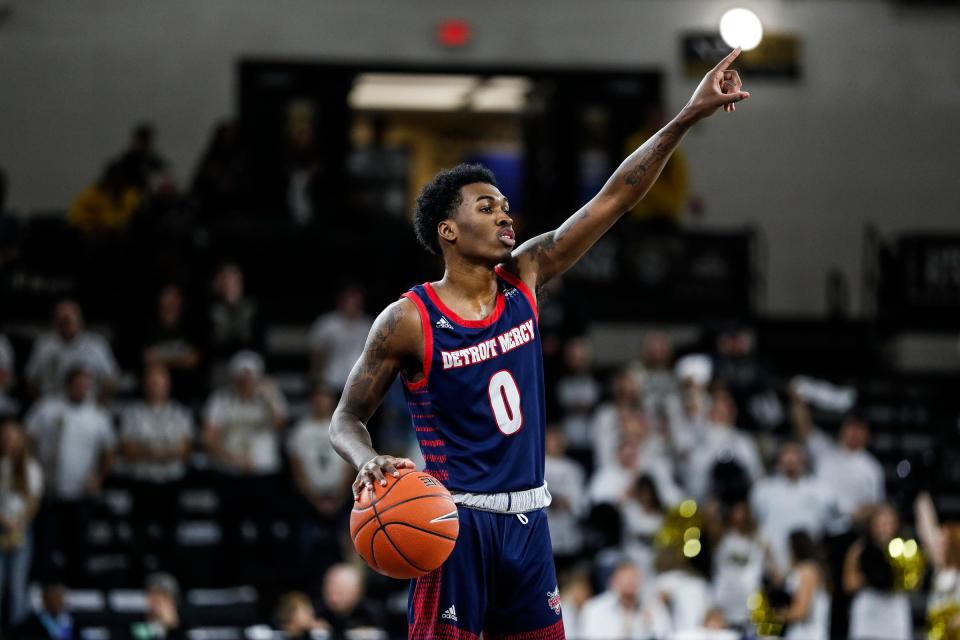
column 218, row 179
column 297, row 619
column 155, row 440
column 140, row 165
column 106, row 205
column 21, row 485
column 234, row 320
column 52, row 621
column 344, row 606
column 621, row 613
column 790, row 501
column 163, row 618
column 685, row 592
column 567, row 486
column 843, row 463
column 323, row 479
column 738, row 564
column 642, row 518
column 737, row 365
column 686, row 414
column 241, row 422
column 66, row 347
column 725, row 460
column 878, row 609
column 941, row 543
column 74, row 442
column 654, row 371
column 576, row 591
column 8, row 405
column 171, row 342
column 337, row 338
column 605, row 426
column 808, row 616
column 578, row 393
column 611, row 482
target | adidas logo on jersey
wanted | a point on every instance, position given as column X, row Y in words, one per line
column 443, row 323
column 450, row 614
column 509, row 293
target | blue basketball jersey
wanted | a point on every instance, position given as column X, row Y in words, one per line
column 478, row 412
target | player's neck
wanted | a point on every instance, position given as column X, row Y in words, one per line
column 469, row 281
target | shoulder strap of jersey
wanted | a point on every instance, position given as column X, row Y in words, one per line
column 427, row 358
column 521, row 286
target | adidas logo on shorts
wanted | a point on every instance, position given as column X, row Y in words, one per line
column 450, row 614
column 443, row 323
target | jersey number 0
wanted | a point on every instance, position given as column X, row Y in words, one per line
column 505, row 402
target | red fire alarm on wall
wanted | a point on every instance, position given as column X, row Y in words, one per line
column 453, row 33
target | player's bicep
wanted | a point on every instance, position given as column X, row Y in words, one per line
column 387, row 348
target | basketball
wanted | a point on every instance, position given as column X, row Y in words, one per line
column 407, row 528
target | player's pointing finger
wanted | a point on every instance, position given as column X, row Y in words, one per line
column 726, row 62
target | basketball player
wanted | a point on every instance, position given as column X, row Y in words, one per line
column 468, row 350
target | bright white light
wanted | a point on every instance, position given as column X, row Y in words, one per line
column 741, row 28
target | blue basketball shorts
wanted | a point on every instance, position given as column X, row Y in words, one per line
column 499, row 580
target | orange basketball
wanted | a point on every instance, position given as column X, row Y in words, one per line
column 407, row 528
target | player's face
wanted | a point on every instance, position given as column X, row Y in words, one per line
column 482, row 227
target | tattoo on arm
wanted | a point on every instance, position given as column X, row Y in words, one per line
column 369, row 371
column 365, row 388
column 660, row 146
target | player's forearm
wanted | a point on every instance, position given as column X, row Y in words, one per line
column 350, row 438
column 554, row 252
column 637, row 173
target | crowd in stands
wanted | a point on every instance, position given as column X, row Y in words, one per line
column 784, row 507
column 787, row 510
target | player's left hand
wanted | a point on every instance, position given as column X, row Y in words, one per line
column 721, row 87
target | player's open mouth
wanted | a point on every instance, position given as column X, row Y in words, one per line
column 506, row 237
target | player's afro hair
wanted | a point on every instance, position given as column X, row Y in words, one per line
column 440, row 197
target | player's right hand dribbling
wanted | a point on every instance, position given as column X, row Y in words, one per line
column 374, row 470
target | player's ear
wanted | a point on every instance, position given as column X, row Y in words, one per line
column 447, row 230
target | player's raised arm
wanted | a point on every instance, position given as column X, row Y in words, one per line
column 394, row 341
column 549, row 254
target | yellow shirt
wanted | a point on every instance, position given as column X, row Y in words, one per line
column 96, row 210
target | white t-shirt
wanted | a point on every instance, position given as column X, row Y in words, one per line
column 70, row 441
column 639, row 529
column 816, row 626
column 603, row 618
column 782, row 506
column 309, row 442
column 164, row 427
column 609, row 483
column 342, row 340
column 690, row 597
column 858, row 472
column 51, row 358
column 577, row 395
column 719, row 443
column 565, row 480
column 247, row 429
column 737, row 573
column 879, row 615
column 13, row 503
